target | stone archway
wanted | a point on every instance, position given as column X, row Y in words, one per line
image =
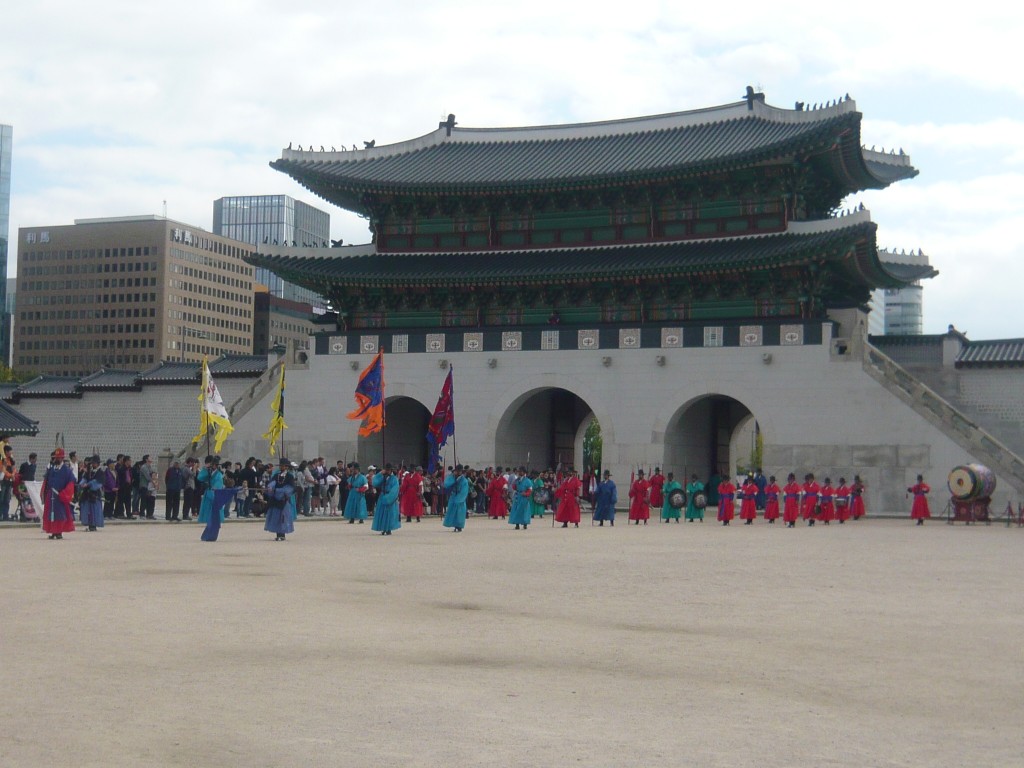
column 545, row 427
column 709, row 435
column 404, row 437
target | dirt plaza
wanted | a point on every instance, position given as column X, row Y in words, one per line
column 876, row 643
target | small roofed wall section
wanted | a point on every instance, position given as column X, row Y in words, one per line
column 160, row 416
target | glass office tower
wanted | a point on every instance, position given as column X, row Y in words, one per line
column 6, row 136
column 274, row 219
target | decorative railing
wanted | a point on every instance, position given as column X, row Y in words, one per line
column 256, row 391
column 957, row 427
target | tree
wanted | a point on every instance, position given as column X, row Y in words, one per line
column 592, row 445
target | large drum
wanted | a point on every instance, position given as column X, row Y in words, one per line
column 971, row 481
column 542, row 496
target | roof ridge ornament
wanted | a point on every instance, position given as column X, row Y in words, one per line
column 752, row 96
column 448, row 124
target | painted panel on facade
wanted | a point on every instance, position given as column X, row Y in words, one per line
column 339, row 345
column 751, row 336
column 587, row 339
column 629, row 338
column 713, row 336
column 512, row 341
column 790, row 335
column 400, row 342
column 549, row 340
column 671, row 338
column 369, row 344
column 472, row 342
column 435, row 342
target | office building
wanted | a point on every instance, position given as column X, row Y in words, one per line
column 6, row 139
column 898, row 311
column 273, row 220
column 128, row 292
column 280, row 323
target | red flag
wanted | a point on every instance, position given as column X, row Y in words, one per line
column 442, row 423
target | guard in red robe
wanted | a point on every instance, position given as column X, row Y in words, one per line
column 857, row 510
column 640, row 503
column 748, row 502
column 791, row 501
column 842, row 501
column 810, row 503
column 828, row 510
column 726, row 494
column 410, row 495
column 568, row 501
column 771, row 500
column 496, row 497
column 58, row 491
column 657, row 482
column 920, row 510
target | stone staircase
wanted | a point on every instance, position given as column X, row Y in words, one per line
column 255, row 393
column 1008, row 466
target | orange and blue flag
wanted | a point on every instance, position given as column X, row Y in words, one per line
column 442, row 423
column 370, row 398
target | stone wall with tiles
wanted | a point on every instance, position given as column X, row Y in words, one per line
column 817, row 411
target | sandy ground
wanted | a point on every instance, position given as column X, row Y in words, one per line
column 871, row 644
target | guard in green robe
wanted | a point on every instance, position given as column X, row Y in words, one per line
column 693, row 487
column 536, row 510
column 668, row 512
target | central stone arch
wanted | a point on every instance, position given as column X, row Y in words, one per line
column 545, row 426
column 712, row 434
column 403, row 439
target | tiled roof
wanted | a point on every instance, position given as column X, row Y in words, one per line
column 14, row 423
column 168, row 372
column 566, row 265
column 994, row 353
column 108, row 378
column 50, row 386
column 238, row 365
column 908, row 273
column 554, row 157
column 8, row 390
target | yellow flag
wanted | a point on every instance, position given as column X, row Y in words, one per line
column 277, row 425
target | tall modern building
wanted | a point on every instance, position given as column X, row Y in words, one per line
column 127, row 293
column 6, row 138
column 274, row 220
column 898, row 311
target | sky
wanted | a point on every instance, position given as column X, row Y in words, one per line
column 121, row 107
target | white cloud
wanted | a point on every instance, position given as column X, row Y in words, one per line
column 191, row 103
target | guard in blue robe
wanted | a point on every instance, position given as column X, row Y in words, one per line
column 211, row 510
column 386, row 517
column 605, row 498
column 761, row 483
column 280, row 502
column 456, row 487
column 90, row 486
column 522, row 489
column 355, row 505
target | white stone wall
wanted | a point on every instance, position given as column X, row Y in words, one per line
column 136, row 423
column 816, row 413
